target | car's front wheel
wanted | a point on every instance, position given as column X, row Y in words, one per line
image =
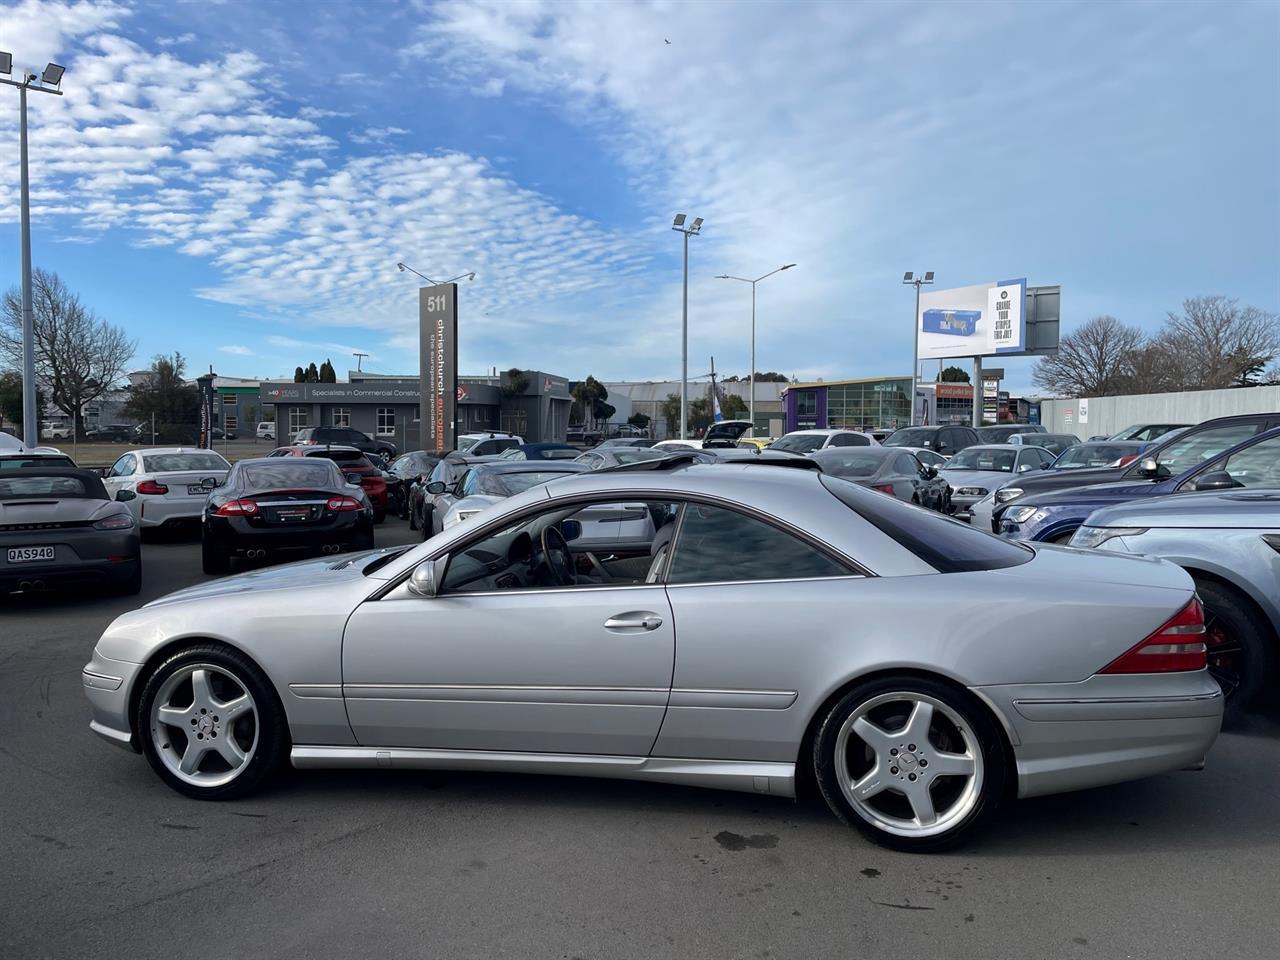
column 913, row 763
column 210, row 724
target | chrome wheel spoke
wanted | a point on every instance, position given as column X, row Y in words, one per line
column 230, row 751
column 921, row 801
column 175, row 716
column 874, row 737
column 200, row 689
column 942, row 764
column 871, row 783
column 918, row 724
column 191, row 758
column 227, row 727
column 232, row 709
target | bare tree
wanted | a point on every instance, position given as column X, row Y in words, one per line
column 79, row 356
column 1228, row 345
column 1094, row 361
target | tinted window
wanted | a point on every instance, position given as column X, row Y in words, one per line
column 715, row 544
column 911, row 437
column 905, row 463
column 799, row 442
column 17, row 488
column 1094, row 455
column 290, row 472
column 1257, row 466
column 164, row 462
column 123, row 467
column 509, row 484
column 21, row 463
column 353, row 457
column 983, row 458
column 852, row 463
column 850, row 440
column 1187, row 451
column 947, row 545
column 637, row 453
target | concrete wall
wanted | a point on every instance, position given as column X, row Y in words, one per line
column 1108, row 415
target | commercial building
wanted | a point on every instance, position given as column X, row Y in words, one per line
column 648, row 397
column 536, row 406
column 871, row 403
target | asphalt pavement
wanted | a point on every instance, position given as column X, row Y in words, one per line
column 99, row 859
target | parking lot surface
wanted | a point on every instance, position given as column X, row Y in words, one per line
column 100, row 859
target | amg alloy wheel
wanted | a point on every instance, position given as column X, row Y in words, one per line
column 1237, row 647
column 910, row 762
column 209, row 723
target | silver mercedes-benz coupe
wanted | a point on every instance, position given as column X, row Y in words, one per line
column 781, row 625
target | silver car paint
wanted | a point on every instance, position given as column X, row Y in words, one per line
column 746, row 681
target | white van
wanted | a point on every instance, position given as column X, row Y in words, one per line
column 266, row 431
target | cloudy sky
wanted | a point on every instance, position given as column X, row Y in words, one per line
column 237, row 180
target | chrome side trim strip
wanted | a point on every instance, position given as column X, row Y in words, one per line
column 733, row 699
column 777, row 779
column 316, row 691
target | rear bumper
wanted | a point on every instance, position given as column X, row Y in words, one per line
column 156, row 511
column 108, row 685
column 237, row 537
column 1107, row 729
column 82, row 555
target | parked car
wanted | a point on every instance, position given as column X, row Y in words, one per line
column 404, row 473
column 1002, row 432
column 380, row 448
column 22, row 460
column 56, row 431
column 587, row 437
column 626, row 442
column 487, row 444
column 930, row 458
column 1228, row 542
column 726, row 433
column 266, row 430
column 975, row 472
column 540, row 451
column 283, row 506
column 487, row 483
column 807, row 441
column 112, row 433
column 947, row 439
column 1175, row 454
column 890, row 471
column 603, row 456
column 1055, row 443
column 528, row 671
column 165, row 486
column 441, row 488
column 352, row 463
column 1054, row 517
column 58, row 525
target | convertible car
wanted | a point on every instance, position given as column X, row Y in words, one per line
column 779, row 621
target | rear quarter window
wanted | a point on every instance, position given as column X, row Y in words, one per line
column 947, row 545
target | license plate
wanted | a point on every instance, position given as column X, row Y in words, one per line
column 29, row 554
column 293, row 514
column 195, row 488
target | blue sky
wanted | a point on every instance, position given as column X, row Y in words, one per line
column 237, row 180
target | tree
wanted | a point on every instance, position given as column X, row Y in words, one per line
column 955, row 375
column 589, row 398
column 1095, row 360
column 299, row 375
column 11, row 401
column 514, row 382
column 78, row 355
column 639, row 420
column 167, row 397
column 770, row 377
column 1229, row 344
column 312, row 374
column 732, row 406
column 671, row 414
column 327, row 373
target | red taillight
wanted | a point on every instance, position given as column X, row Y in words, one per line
column 237, row 508
column 1178, row 645
column 150, row 486
column 884, row 488
column 343, row 504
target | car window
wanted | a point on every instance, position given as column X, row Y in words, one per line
column 17, row 488
column 1256, row 466
column 22, row 463
column 906, row 463
column 799, row 442
column 983, row 458
column 929, row 458
column 715, row 544
column 948, row 441
column 165, row 462
column 849, row 463
column 947, row 545
column 291, row 472
column 1187, row 451
column 122, row 467
column 515, row 453
column 850, row 440
column 500, row 444
column 911, row 437
column 469, row 483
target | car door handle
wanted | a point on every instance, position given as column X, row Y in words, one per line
column 635, row 621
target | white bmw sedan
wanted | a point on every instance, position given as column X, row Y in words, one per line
column 165, row 485
column 778, row 622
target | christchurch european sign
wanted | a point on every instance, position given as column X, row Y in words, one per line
column 438, row 343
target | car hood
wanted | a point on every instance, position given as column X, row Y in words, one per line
column 322, row 573
column 1098, row 493
column 68, row 510
column 1232, row 509
column 1060, row 479
column 987, row 479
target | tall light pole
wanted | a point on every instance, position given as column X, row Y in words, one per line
column 402, row 267
column 49, row 82
column 911, row 279
column 690, row 231
column 725, row 276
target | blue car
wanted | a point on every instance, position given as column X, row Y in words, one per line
column 1054, row 517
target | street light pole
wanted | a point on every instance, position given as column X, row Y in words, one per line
column 52, row 75
column 910, row 278
column 402, row 267
column 690, row 231
column 725, row 276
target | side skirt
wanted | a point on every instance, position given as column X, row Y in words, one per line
column 777, row 779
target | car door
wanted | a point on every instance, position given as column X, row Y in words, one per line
column 581, row 669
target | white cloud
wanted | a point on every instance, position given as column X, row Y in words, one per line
column 492, row 87
column 377, row 134
column 176, row 41
column 237, row 350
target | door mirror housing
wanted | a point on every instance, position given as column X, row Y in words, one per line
column 427, row 577
column 125, row 495
column 1148, row 467
column 436, row 487
column 352, row 478
column 571, row 530
column 929, row 471
column 1215, row 480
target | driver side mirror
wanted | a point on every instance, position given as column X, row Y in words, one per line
column 571, row 530
column 352, row 478
column 436, row 487
column 1148, row 467
column 1215, row 480
column 929, row 471
column 125, row 495
column 427, row 577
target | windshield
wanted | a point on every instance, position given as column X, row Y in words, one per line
column 983, row 458
column 998, row 434
column 168, row 462
column 351, row 458
column 1094, row 455
column 559, row 453
column 910, row 437
column 637, row 453
column 21, row 463
column 509, row 484
column 466, row 443
column 845, row 463
column 799, row 442
column 288, row 472
column 1185, row 452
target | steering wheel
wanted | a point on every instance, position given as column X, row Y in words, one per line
column 555, row 546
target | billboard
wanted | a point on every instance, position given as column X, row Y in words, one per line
column 977, row 321
column 438, row 363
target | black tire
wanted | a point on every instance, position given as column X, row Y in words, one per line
column 413, row 517
column 212, row 559
column 426, row 522
column 272, row 732
column 379, row 516
column 981, row 727
column 1240, row 658
column 132, row 586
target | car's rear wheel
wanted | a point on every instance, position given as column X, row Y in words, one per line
column 132, row 586
column 213, row 559
column 911, row 762
column 210, row 724
column 1239, row 659
column 426, row 522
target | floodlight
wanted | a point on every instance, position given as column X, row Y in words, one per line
column 928, row 277
column 907, row 277
column 788, row 266
column 6, row 63
column 679, row 220
column 400, row 267
column 53, row 74
column 697, row 224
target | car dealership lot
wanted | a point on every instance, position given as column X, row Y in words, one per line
column 103, row 859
